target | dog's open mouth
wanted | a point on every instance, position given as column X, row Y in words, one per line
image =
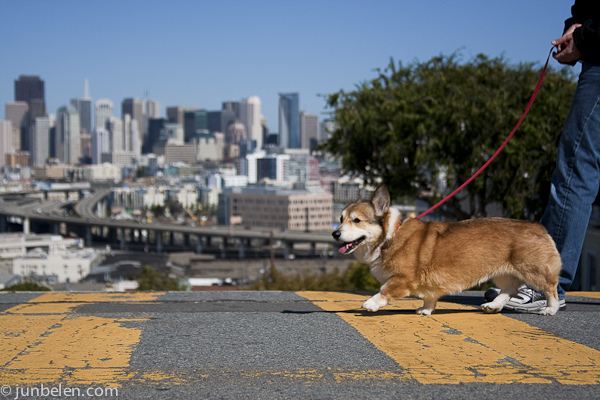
column 348, row 247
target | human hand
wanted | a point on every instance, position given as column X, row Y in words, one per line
column 567, row 52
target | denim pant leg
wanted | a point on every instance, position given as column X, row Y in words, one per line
column 576, row 178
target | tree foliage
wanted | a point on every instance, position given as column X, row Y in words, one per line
column 150, row 279
column 413, row 124
column 356, row 277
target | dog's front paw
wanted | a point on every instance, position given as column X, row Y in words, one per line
column 424, row 311
column 374, row 303
column 488, row 308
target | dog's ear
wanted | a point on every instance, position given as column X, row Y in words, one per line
column 359, row 200
column 381, row 200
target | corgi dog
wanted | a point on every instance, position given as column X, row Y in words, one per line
column 431, row 259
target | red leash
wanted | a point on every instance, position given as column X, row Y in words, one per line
column 531, row 100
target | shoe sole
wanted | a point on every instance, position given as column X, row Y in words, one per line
column 532, row 310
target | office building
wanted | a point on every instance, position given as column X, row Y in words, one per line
column 250, row 116
column 104, row 112
column 68, row 139
column 235, row 133
column 86, row 147
column 175, row 114
column 213, row 120
column 17, row 159
column 100, row 144
column 207, row 147
column 131, row 136
column 155, row 127
column 277, row 208
column 185, row 153
column 115, row 127
column 6, row 129
column 40, row 141
column 289, row 121
column 230, row 112
column 135, row 108
column 18, row 114
column 30, row 89
column 84, row 109
column 150, row 110
column 194, row 122
column 309, row 130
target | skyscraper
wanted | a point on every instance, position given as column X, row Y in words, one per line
column 68, row 141
column 230, row 112
column 83, row 106
column 135, row 108
column 40, row 141
column 30, row 89
column 115, row 127
column 100, row 144
column 17, row 114
column 5, row 140
column 309, row 130
column 250, row 116
column 194, row 122
column 104, row 111
column 289, row 120
column 175, row 114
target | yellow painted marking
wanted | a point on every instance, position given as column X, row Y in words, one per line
column 459, row 344
column 43, row 308
column 594, row 295
column 55, row 345
column 61, row 297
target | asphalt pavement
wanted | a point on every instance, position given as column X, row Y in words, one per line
column 230, row 345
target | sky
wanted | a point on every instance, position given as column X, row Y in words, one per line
column 201, row 53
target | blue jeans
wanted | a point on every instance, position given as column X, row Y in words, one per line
column 576, row 179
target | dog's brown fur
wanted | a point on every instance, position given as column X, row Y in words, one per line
column 430, row 259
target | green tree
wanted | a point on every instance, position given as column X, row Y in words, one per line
column 26, row 286
column 356, row 277
column 413, row 124
column 150, row 279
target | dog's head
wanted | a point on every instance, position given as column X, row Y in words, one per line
column 363, row 224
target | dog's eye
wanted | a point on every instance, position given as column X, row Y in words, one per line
column 341, row 219
column 356, row 220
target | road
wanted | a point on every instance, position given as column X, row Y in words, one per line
column 188, row 345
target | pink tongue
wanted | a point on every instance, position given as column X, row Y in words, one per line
column 343, row 248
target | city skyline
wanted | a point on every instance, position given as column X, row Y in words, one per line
column 201, row 54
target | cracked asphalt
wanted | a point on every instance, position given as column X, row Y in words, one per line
column 187, row 345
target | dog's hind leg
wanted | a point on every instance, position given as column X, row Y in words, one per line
column 551, row 294
column 428, row 306
column 509, row 286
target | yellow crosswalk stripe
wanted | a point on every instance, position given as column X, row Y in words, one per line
column 459, row 344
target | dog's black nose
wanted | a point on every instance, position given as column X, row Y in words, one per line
column 336, row 234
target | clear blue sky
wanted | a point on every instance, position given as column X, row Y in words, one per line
column 200, row 53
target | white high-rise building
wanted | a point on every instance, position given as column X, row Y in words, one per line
column 131, row 136
column 68, row 139
column 250, row 116
column 40, row 141
column 115, row 127
column 6, row 129
column 104, row 111
column 100, row 144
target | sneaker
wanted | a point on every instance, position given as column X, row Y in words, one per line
column 527, row 300
column 491, row 294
